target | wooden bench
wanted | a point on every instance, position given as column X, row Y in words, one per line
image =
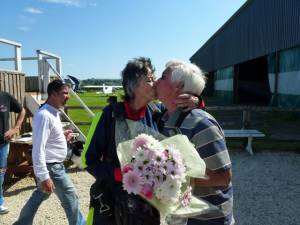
column 244, row 133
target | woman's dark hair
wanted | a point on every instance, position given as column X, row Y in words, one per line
column 56, row 86
column 132, row 73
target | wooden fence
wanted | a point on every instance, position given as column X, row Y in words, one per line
column 31, row 83
column 246, row 111
column 13, row 83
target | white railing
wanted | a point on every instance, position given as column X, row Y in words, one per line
column 44, row 65
column 17, row 58
column 74, row 94
column 43, row 69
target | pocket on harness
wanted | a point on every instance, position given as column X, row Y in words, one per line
column 101, row 199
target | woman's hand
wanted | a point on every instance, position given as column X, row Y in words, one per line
column 187, row 102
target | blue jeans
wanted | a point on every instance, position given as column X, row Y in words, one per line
column 65, row 191
column 4, row 149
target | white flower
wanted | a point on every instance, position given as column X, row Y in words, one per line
column 169, row 191
column 139, row 167
column 141, row 154
column 170, row 167
column 175, row 154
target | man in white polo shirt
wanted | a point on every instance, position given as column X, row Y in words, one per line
column 48, row 153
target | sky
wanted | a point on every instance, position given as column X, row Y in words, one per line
column 96, row 38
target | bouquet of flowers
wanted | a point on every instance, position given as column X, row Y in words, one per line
column 160, row 172
column 154, row 171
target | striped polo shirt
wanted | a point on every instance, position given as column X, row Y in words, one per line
column 206, row 134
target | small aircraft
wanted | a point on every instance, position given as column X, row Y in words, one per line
column 73, row 82
column 107, row 89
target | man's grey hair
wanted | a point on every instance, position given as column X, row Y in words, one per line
column 191, row 75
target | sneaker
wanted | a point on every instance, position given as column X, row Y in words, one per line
column 3, row 209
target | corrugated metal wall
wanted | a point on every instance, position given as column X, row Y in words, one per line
column 259, row 28
column 288, row 77
column 223, row 84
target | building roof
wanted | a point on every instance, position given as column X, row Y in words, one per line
column 258, row 28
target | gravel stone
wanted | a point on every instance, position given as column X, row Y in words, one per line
column 266, row 191
column 50, row 212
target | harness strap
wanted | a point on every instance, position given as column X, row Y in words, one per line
column 177, row 121
column 181, row 118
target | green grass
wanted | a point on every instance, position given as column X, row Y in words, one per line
column 90, row 99
column 266, row 123
column 84, row 129
column 80, row 115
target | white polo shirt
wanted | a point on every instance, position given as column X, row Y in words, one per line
column 49, row 142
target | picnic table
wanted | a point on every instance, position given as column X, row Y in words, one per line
column 244, row 133
column 19, row 158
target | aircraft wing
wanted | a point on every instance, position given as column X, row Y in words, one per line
column 101, row 86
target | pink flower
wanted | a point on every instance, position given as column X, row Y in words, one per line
column 141, row 141
column 147, row 191
column 132, row 182
column 186, row 197
column 166, row 153
column 127, row 168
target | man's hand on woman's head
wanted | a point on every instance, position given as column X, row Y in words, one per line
column 187, row 102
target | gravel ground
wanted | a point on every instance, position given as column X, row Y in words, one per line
column 266, row 188
column 266, row 192
column 50, row 212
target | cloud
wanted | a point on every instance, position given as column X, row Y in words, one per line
column 24, row 28
column 76, row 3
column 93, row 4
column 33, row 10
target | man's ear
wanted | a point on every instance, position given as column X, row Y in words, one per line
column 54, row 93
column 177, row 87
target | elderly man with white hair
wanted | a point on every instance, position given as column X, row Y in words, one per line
column 206, row 134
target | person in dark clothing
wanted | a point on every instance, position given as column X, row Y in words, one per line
column 7, row 104
column 119, row 122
